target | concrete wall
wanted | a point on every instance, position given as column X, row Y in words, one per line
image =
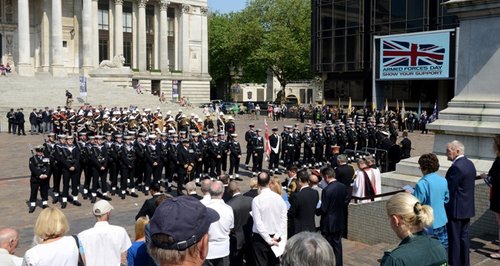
column 368, row 223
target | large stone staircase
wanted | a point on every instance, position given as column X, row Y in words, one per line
column 45, row 90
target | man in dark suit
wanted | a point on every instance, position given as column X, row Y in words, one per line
column 344, row 173
column 333, row 202
column 225, row 181
column 149, row 206
column 34, row 122
column 405, row 146
column 20, row 122
column 186, row 164
column 241, row 235
column 303, row 206
column 461, row 179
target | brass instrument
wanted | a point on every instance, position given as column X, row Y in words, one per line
column 132, row 124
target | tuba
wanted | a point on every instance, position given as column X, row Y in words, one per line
column 133, row 124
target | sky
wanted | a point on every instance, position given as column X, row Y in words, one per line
column 226, row 6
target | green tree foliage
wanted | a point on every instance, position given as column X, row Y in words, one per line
column 267, row 34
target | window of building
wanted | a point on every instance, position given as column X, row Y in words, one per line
column 171, row 21
column 127, row 53
column 103, row 19
column 150, row 12
column 103, row 50
column 127, row 22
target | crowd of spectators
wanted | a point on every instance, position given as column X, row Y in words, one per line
column 273, row 223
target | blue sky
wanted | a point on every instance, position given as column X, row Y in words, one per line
column 226, row 6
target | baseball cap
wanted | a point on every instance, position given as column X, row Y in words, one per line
column 102, row 207
column 185, row 219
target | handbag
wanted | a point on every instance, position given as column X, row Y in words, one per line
column 80, row 259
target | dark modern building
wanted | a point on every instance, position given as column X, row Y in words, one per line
column 342, row 48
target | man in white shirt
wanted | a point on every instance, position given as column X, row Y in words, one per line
column 218, row 233
column 205, row 189
column 9, row 240
column 104, row 244
column 270, row 222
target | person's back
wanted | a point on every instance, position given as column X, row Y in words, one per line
column 50, row 253
column 418, row 249
column 432, row 189
column 104, row 243
column 218, row 232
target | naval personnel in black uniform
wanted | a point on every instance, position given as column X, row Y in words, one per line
column 40, row 176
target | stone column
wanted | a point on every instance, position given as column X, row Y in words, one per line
column 204, row 42
column 45, row 36
column 184, row 44
column 164, row 37
column 156, row 40
column 57, row 65
column 135, row 12
column 24, row 66
column 141, row 35
column 118, row 28
column 87, row 36
column 95, row 34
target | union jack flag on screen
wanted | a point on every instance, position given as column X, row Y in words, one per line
column 399, row 53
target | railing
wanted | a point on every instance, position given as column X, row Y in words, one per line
column 377, row 196
column 356, row 199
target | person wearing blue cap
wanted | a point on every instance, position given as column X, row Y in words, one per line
column 178, row 231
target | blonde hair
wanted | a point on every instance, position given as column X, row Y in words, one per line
column 140, row 227
column 414, row 215
column 51, row 223
column 252, row 183
column 275, row 186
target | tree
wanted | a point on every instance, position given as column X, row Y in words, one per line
column 267, row 34
column 285, row 48
column 232, row 38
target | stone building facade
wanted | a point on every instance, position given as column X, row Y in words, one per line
column 164, row 42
